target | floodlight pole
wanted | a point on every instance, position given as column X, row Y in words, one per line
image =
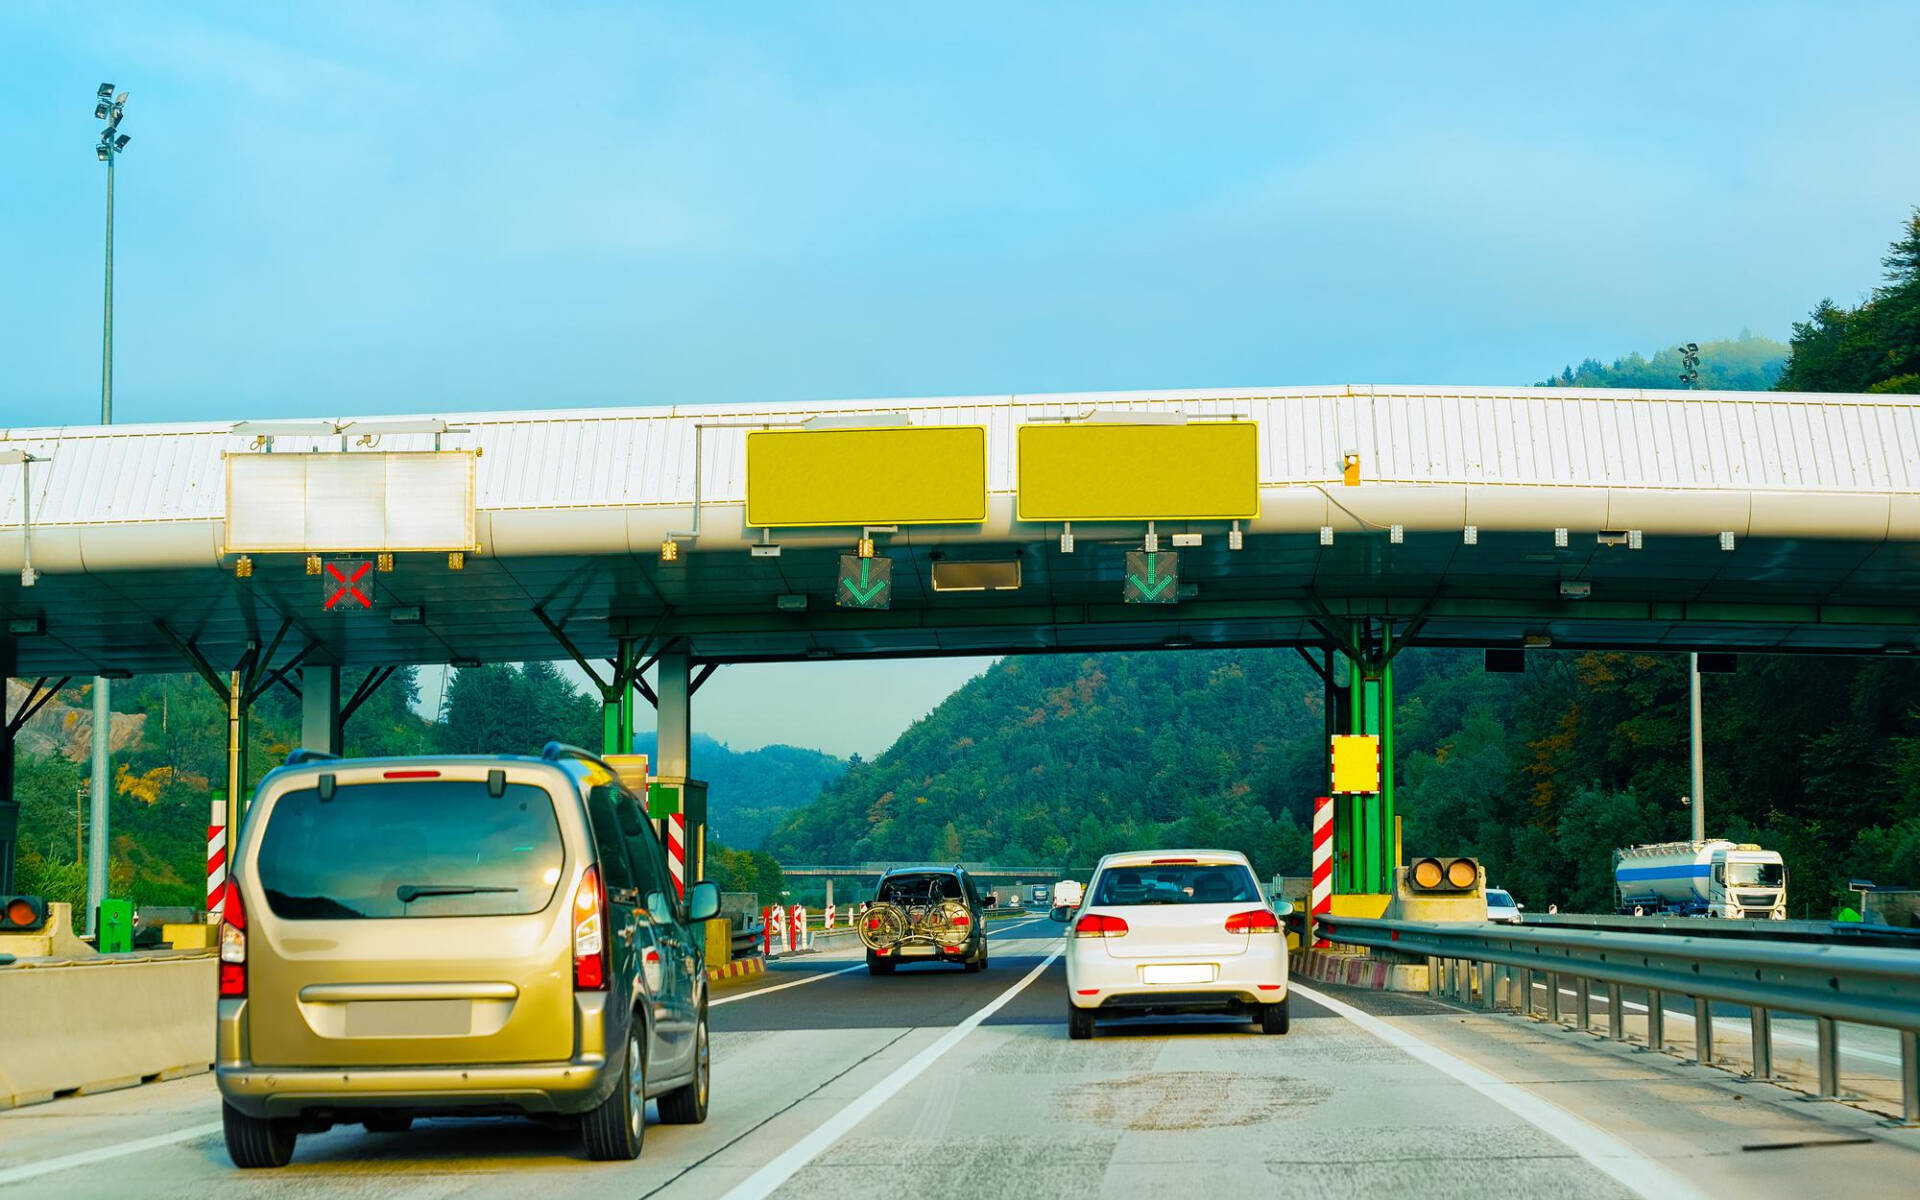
column 100, row 791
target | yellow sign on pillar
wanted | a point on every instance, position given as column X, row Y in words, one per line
column 1356, row 764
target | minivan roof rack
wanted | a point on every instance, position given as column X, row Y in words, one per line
column 300, row 754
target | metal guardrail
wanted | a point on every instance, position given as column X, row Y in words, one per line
column 1866, row 985
column 1846, row 933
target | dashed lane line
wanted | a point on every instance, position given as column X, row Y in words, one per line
column 763, row 1182
column 1605, row 1152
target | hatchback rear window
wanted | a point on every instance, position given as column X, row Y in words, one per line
column 425, row 848
column 1187, row 883
column 1498, row 898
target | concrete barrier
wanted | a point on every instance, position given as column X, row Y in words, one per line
column 1359, row 970
column 92, row 1025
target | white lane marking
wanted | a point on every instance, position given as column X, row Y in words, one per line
column 781, row 987
column 1607, row 1153
column 67, row 1162
column 1734, row 1024
column 762, row 1183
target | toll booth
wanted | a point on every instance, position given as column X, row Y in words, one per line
column 678, row 807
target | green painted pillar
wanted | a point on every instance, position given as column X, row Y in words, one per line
column 616, row 707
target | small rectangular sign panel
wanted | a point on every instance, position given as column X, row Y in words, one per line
column 888, row 475
column 1356, row 764
column 346, row 585
column 359, row 501
column 1097, row 471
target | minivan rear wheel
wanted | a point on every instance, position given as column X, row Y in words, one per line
column 687, row 1104
column 615, row 1128
column 257, row 1141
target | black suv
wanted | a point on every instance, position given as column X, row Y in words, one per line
column 925, row 914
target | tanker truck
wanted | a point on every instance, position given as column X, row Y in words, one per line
column 1701, row 879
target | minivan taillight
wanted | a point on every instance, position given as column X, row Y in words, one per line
column 1258, row 920
column 1099, row 925
column 589, row 939
column 233, row 944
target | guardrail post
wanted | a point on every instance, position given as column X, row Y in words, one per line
column 1526, row 991
column 1553, row 997
column 1827, row 1031
column 1910, row 1077
column 1656, row 1021
column 1762, row 1042
column 1434, row 967
column 1487, row 999
column 1583, row 1002
column 1616, row 1014
column 1702, row 1032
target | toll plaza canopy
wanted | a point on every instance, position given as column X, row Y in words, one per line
column 1450, row 516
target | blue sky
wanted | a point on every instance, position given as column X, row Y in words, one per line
column 352, row 207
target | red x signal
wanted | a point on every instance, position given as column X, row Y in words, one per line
column 343, row 584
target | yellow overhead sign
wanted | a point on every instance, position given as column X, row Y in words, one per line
column 1097, row 471
column 889, row 475
column 1356, row 764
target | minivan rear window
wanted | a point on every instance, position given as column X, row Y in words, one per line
column 420, row 848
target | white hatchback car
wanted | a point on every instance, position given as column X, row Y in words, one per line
column 1175, row 931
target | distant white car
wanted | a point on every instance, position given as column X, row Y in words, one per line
column 1501, row 907
column 1175, row 931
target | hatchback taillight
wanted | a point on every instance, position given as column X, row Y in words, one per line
column 1099, row 925
column 962, row 919
column 1257, row 920
column 233, row 944
column 589, row 934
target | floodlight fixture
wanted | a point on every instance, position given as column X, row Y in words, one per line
column 100, row 111
column 120, row 143
column 100, row 152
column 105, row 92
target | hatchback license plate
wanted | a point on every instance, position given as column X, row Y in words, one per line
column 913, row 951
column 1178, row 973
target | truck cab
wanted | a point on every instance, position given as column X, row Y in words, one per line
column 1748, row 882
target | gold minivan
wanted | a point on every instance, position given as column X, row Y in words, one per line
column 453, row 936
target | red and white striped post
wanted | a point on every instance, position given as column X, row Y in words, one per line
column 766, row 932
column 677, row 851
column 1322, row 864
column 217, row 859
column 829, row 917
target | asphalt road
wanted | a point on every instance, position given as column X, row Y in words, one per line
column 936, row 1083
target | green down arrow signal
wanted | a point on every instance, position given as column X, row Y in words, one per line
column 1152, row 578
column 864, row 582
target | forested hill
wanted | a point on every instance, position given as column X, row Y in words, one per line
column 750, row 790
column 1047, row 759
column 1052, row 760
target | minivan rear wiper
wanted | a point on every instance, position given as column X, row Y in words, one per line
column 407, row 893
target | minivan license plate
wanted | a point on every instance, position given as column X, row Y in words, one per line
column 409, row 1018
column 1178, row 973
column 919, row 951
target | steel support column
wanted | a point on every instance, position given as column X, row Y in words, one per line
column 673, row 712
column 99, row 801
column 320, row 709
